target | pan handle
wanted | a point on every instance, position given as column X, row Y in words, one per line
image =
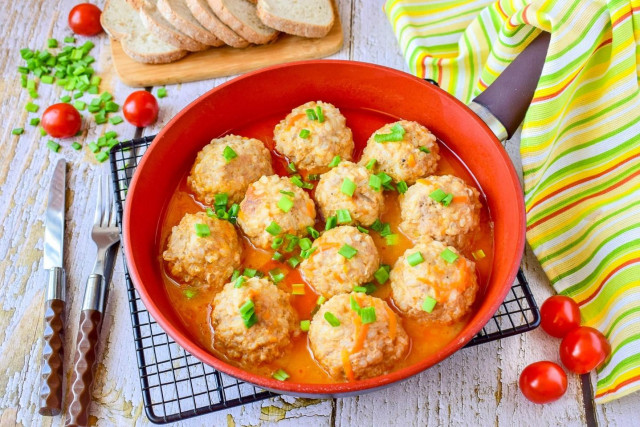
column 503, row 105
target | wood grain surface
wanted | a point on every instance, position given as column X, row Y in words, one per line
column 476, row 386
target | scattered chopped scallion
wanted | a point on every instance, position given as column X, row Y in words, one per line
column 220, row 200
column 331, row 319
column 371, row 163
column 424, row 150
column 368, row 315
column 293, row 242
column 34, row 121
column 415, row 259
column 76, row 146
column 53, row 146
column 304, row 325
column 313, row 232
column 17, row 131
column 285, row 203
column 280, row 375
column 162, row 92
column 93, row 147
column 274, row 229
column 69, row 39
column 277, row 256
column 319, row 114
column 304, row 243
column 375, row 182
column 291, row 167
column 449, row 256
column 335, row 162
column 311, row 115
column 402, row 187
column 348, row 251
column 360, row 289
column 332, row 221
column 102, row 156
column 248, row 314
column 202, row 230
column 428, row 304
column 479, row 254
column 362, row 229
column 294, row 261
column 343, row 216
column 31, row 107
column 381, row 275
column 115, row 120
column 304, row 133
column 277, row 242
column 447, row 200
column 239, row 282
column 397, row 134
column 276, row 275
column 189, row 293
column 249, row 272
column 392, row 239
column 348, row 187
column 306, row 253
column 321, row 300
column 438, row 195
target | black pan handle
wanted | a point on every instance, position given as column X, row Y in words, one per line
column 509, row 96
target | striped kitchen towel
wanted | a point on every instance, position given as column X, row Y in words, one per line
column 580, row 141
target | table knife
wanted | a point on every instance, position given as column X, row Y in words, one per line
column 53, row 353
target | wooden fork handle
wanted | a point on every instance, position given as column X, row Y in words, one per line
column 52, row 357
column 84, row 367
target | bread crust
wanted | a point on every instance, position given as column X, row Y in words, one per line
column 292, row 27
column 238, row 25
column 165, row 31
column 191, row 29
column 208, row 19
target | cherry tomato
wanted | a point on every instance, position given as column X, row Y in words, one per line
column 584, row 349
column 559, row 315
column 84, row 19
column 543, row 382
column 61, row 120
column 140, row 108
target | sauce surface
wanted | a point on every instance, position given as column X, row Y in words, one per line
column 298, row 361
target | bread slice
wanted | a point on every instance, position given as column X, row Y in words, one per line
column 179, row 15
column 155, row 22
column 305, row 18
column 122, row 22
column 242, row 17
column 203, row 13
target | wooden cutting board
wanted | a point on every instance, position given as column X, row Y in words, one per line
column 225, row 61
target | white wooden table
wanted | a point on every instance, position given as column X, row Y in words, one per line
column 476, row 386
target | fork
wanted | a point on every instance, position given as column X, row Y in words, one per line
column 105, row 234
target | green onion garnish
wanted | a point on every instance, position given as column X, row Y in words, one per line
column 447, row 200
column 449, row 256
column 313, row 177
column 377, row 225
column 313, row 232
column 76, row 146
column 428, row 304
column 381, row 275
column 291, row 167
column 306, row 253
column 162, row 92
column 298, row 182
column 276, row 275
column 111, row 107
column 274, row 229
column 31, row 107
column 348, row 187
column 402, row 187
column 69, row 40
column 304, row 325
column 294, row 261
column 235, row 275
column 46, row 79
column 348, row 251
column 371, row 163
column 332, row 221
column 210, row 213
column 438, row 195
column 343, row 216
column 332, row 319
column 248, row 314
column 305, row 243
column 392, row 239
column 189, row 293
column 424, row 150
column 304, row 133
column 17, row 131
column 386, row 180
column 249, row 272
column 288, row 193
column 368, row 315
column 277, row 256
column 280, row 375
column 354, row 304
column 397, row 134
column 360, row 289
column 80, row 105
column 93, row 147
column 115, row 120
column 106, row 96
column 311, row 115
column 320, row 114
column 293, row 242
column 321, row 300
column 415, row 259
column 221, row 200
column 51, row 43
column 277, row 242
column 362, row 229
column 238, row 282
column 285, row 203
column 334, row 162
column 202, row 230
column 229, row 154
column 53, row 146
column 102, row 156
column 375, row 182
column 386, row 230
column 479, row 254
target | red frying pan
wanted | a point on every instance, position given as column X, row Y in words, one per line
column 473, row 132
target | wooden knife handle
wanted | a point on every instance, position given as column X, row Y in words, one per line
column 84, row 367
column 52, row 357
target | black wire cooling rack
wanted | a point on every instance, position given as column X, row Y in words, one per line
column 176, row 385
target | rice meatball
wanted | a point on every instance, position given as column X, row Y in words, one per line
column 364, row 206
column 413, row 157
column 452, row 286
column 323, row 140
column 243, row 340
column 331, row 273
column 353, row 350
column 202, row 261
column 268, row 201
column 214, row 173
column 423, row 216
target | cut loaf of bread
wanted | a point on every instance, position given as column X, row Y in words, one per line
column 159, row 26
column 122, row 22
column 242, row 17
column 305, row 18
column 179, row 15
column 209, row 20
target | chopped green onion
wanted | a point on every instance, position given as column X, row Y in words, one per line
column 115, row 120
column 53, row 146
column 335, row 162
column 31, row 107
column 31, row 84
column 249, row 272
column 386, row 230
column 285, row 203
column 304, row 243
column 276, row 275
column 424, row 150
column 362, row 229
column 332, row 221
column 377, row 225
column 447, row 200
column 17, row 131
column 386, row 180
column 348, row 187
column 111, row 107
column 304, row 133
column 248, row 314
column 277, row 242
column 368, row 315
column 42, row 132
column 392, row 239
column 438, row 195
column 298, row 182
column 202, row 230
column 51, row 43
column 69, row 39
column 34, row 121
column 189, row 293
column 221, row 200
column 277, row 256
column 428, row 304
column 76, row 146
column 80, row 105
column 479, row 254
column 93, row 90
column 306, row 253
column 313, row 177
column 247, row 307
column 78, row 95
column 102, row 156
column 210, row 213
column 235, row 275
column 375, row 182
column 100, row 118
column 321, row 300
column 33, row 94
column 343, row 216
column 397, row 134
column 304, row 325
column 360, row 289
column 371, row 163
column 415, row 259
column 354, row 304
column 93, row 147
column 332, row 319
column 239, row 282
column 320, row 114
column 106, row 96
column 46, row 79
column 348, row 251
column 297, row 289
column 280, row 375
column 293, row 242
column 274, row 229
column 449, row 256
column 402, row 187
column 288, row 193
column 313, row 232
column 311, row 115
column 291, row 167
column 162, row 92
column 381, row 275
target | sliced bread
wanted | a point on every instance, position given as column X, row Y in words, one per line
column 122, row 22
column 155, row 22
column 242, row 17
column 305, row 18
column 179, row 15
column 209, row 20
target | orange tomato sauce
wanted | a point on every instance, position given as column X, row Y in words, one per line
column 298, row 362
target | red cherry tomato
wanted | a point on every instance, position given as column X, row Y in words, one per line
column 543, row 382
column 584, row 349
column 84, row 19
column 61, row 120
column 140, row 108
column 559, row 315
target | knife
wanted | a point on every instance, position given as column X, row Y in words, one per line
column 52, row 353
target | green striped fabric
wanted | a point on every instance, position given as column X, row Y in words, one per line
column 580, row 142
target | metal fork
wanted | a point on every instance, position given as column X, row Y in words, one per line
column 105, row 234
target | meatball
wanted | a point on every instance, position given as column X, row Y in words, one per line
column 451, row 221
column 365, row 204
column 215, row 172
column 331, row 273
column 256, row 339
column 353, row 350
column 272, row 207
column 202, row 261
column 415, row 156
column 325, row 137
column 452, row 286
